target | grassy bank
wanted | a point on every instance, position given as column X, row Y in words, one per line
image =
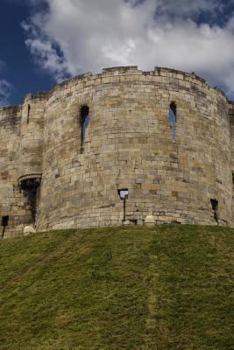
column 164, row 288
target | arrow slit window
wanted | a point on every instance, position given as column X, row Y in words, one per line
column 84, row 123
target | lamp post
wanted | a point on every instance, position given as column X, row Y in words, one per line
column 123, row 195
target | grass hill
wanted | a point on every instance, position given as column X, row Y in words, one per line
column 134, row 288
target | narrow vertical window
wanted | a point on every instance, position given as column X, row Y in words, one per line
column 84, row 122
column 172, row 119
column 28, row 113
column 215, row 204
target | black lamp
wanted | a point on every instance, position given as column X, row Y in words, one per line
column 123, row 195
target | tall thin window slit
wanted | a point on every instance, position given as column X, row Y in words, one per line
column 84, row 122
column 172, row 118
column 28, row 113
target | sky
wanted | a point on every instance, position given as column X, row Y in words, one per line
column 43, row 42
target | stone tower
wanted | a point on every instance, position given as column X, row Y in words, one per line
column 50, row 180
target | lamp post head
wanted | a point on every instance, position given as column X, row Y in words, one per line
column 123, row 193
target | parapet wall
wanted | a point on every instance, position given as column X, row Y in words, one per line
column 128, row 144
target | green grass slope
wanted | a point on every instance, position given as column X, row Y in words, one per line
column 163, row 288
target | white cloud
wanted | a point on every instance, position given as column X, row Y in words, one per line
column 45, row 52
column 5, row 87
column 85, row 35
column 5, row 91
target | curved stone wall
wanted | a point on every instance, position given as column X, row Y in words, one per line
column 13, row 206
column 129, row 145
column 31, row 132
column 48, row 180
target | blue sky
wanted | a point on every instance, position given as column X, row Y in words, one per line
column 18, row 66
column 46, row 41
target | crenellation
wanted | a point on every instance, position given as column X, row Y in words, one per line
column 121, row 70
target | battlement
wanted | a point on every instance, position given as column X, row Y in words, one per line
column 116, row 72
column 68, row 153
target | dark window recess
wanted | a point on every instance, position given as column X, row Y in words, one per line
column 233, row 178
column 84, row 122
column 5, row 220
column 4, row 224
column 215, row 204
column 28, row 113
column 172, row 118
column 30, row 188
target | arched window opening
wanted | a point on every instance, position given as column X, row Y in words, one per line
column 4, row 224
column 28, row 113
column 215, row 204
column 84, row 122
column 172, row 119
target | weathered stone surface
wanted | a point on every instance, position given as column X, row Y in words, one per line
column 28, row 230
column 150, row 220
column 46, row 181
